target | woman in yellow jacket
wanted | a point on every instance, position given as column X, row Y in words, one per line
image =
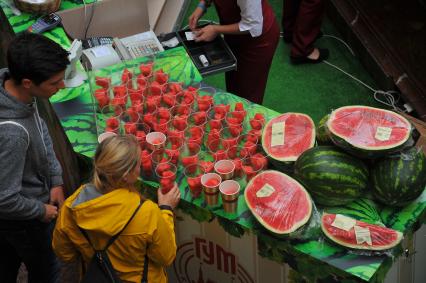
column 103, row 207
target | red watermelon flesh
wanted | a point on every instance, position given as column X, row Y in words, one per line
column 382, row 238
column 369, row 128
column 298, row 132
column 278, row 201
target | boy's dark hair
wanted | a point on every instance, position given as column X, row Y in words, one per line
column 35, row 57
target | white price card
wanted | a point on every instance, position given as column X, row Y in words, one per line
column 363, row 235
column 343, row 222
column 265, row 191
column 383, row 133
column 278, row 134
column 189, row 35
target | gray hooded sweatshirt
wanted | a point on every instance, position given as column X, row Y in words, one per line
column 28, row 165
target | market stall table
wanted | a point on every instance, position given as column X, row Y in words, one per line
column 312, row 255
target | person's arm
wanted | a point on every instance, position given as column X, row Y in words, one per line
column 61, row 244
column 55, row 170
column 251, row 22
column 162, row 247
column 13, row 205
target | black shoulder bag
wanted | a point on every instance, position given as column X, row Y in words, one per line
column 100, row 269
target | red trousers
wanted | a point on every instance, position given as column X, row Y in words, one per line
column 254, row 59
column 301, row 23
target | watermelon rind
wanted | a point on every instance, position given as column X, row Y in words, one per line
column 367, row 151
column 287, row 160
column 322, row 133
column 360, row 247
column 331, row 176
column 296, row 225
column 399, row 179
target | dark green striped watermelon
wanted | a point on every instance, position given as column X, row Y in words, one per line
column 368, row 132
column 278, row 202
column 296, row 133
column 380, row 238
column 362, row 209
column 322, row 133
column 399, row 179
column 331, row 176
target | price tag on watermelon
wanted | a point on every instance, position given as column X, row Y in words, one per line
column 278, row 133
column 383, row 133
column 343, row 222
column 265, row 191
column 362, row 235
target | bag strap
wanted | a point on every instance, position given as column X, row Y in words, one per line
column 112, row 239
column 18, row 125
column 145, row 270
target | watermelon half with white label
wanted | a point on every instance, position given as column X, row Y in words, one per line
column 287, row 136
column 278, row 202
column 355, row 234
column 367, row 131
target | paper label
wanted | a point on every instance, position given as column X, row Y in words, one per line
column 383, row 133
column 101, row 51
column 343, row 222
column 265, row 191
column 189, row 35
column 278, row 134
column 363, row 235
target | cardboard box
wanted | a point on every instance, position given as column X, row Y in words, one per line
column 122, row 18
column 421, row 128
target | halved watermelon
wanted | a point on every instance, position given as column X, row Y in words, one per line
column 287, row 136
column 371, row 237
column 278, row 202
column 367, row 131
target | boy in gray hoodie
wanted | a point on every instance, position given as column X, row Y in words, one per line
column 31, row 189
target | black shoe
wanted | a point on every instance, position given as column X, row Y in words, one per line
column 289, row 39
column 323, row 55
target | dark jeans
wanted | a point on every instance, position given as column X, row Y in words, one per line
column 28, row 242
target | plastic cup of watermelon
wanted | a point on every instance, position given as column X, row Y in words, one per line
column 190, row 154
column 113, row 124
column 161, row 124
column 210, row 183
column 194, row 134
column 235, row 118
column 193, row 175
column 101, row 100
column 142, row 130
column 135, row 93
column 229, row 192
column 161, row 77
column 251, row 167
column 229, row 136
column 198, row 118
column 160, row 156
column 173, row 149
column 152, row 102
column 103, row 82
column 168, row 100
column 249, row 142
column 186, row 98
column 204, row 99
column 146, row 69
column 237, row 154
column 155, row 140
column 146, row 165
column 216, row 149
column 166, row 175
column 225, row 168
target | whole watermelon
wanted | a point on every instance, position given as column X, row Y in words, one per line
column 399, row 179
column 331, row 176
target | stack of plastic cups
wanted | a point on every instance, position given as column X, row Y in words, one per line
column 229, row 192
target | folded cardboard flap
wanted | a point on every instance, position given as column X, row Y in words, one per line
column 421, row 128
column 115, row 18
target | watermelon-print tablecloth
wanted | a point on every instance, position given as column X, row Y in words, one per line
column 314, row 258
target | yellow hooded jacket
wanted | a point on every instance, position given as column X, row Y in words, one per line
column 151, row 231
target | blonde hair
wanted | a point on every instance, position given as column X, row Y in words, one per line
column 115, row 157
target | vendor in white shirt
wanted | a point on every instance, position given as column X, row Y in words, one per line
column 252, row 32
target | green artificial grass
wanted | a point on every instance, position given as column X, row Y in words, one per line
column 311, row 89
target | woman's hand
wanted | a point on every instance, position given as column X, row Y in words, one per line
column 207, row 33
column 193, row 19
column 171, row 199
